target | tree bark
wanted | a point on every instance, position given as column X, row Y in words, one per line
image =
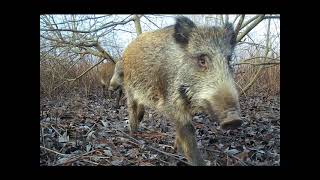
column 137, row 24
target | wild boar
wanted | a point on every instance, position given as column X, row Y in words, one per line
column 116, row 82
column 105, row 75
column 181, row 70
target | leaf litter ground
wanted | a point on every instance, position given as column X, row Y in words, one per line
column 77, row 130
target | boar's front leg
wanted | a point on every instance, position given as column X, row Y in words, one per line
column 119, row 98
column 103, row 87
column 136, row 113
column 186, row 141
column 133, row 118
column 140, row 112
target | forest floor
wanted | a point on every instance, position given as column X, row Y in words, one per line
column 78, row 130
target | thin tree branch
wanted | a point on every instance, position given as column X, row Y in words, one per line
column 247, row 30
column 272, row 17
column 151, row 21
column 166, row 153
column 53, row 151
column 72, row 80
column 91, row 31
column 256, row 64
column 235, row 19
column 260, row 57
column 239, row 25
column 85, row 19
column 74, row 158
column 86, row 44
column 249, row 21
column 86, row 71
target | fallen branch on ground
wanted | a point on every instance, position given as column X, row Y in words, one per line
column 165, row 153
column 74, row 158
column 54, row 151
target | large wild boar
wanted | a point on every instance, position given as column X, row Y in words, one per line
column 181, row 70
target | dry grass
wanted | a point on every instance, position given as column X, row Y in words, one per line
column 267, row 83
column 52, row 74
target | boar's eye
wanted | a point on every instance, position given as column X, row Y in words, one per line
column 202, row 61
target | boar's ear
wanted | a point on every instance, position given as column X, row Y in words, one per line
column 182, row 29
column 229, row 34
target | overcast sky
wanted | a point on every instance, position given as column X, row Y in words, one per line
column 122, row 35
column 258, row 33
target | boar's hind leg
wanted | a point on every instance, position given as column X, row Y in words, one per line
column 185, row 139
column 103, row 91
column 140, row 112
column 118, row 98
column 109, row 94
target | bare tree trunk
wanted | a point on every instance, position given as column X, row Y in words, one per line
column 221, row 20
column 226, row 19
column 248, row 29
column 137, row 24
column 239, row 25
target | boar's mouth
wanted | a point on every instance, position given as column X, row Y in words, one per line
column 229, row 119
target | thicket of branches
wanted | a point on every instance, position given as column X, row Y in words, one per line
column 72, row 47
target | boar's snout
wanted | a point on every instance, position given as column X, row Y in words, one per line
column 231, row 121
column 225, row 104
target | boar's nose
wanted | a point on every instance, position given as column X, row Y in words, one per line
column 231, row 121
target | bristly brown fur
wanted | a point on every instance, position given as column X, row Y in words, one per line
column 162, row 71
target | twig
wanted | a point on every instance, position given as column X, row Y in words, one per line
column 55, row 130
column 257, row 64
column 91, row 128
column 243, row 163
column 235, row 19
column 42, row 136
column 54, row 151
column 166, row 153
column 157, row 131
column 88, row 161
column 151, row 21
column 244, row 93
column 85, row 72
column 107, row 25
column 227, row 160
column 164, row 145
column 270, row 17
column 100, row 157
column 163, row 161
column 261, row 57
column 212, row 150
column 74, row 158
